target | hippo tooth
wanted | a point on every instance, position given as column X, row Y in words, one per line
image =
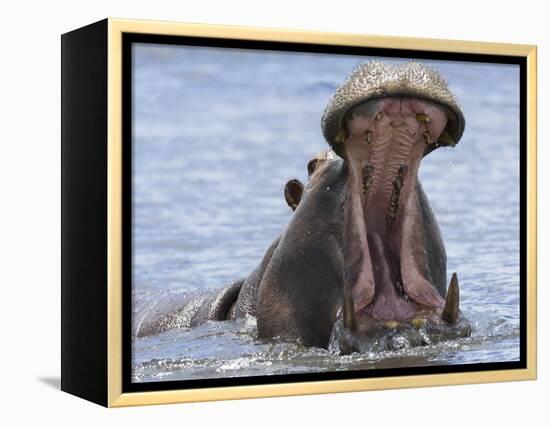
column 392, row 325
column 341, row 136
column 419, row 322
column 378, row 116
column 450, row 311
column 446, row 139
column 427, row 138
column 423, row 118
column 369, row 136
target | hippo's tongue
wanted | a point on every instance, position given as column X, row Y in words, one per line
column 383, row 143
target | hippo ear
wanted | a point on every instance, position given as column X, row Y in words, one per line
column 311, row 166
column 293, row 193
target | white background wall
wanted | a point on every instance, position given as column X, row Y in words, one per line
column 30, row 200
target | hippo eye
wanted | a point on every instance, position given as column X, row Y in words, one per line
column 311, row 166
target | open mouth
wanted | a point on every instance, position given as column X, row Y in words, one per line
column 382, row 142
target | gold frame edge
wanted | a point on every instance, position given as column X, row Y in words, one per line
column 114, row 213
column 116, row 27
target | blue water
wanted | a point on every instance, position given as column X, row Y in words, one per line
column 217, row 134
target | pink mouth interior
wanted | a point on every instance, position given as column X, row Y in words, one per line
column 386, row 139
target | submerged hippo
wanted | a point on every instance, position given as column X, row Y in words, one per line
column 362, row 259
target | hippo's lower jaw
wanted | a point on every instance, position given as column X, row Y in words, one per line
column 374, row 335
column 390, row 284
column 361, row 332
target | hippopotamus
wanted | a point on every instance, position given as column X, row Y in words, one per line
column 362, row 258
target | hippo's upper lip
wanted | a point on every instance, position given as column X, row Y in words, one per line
column 376, row 80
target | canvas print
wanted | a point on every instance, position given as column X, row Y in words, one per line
column 298, row 213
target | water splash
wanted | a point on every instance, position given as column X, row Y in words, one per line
column 232, row 349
